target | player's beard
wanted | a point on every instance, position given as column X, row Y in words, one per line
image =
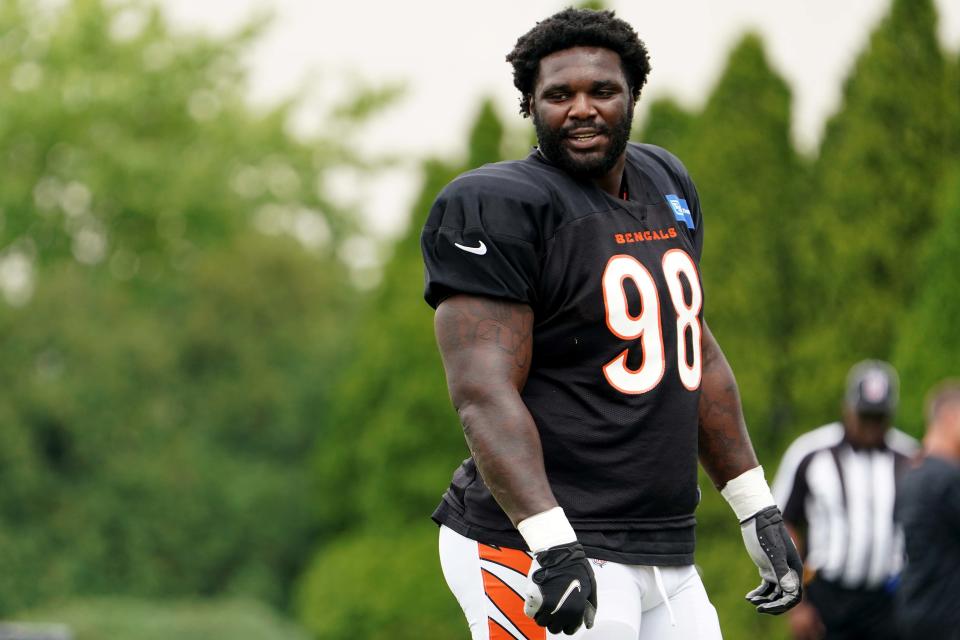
column 551, row 146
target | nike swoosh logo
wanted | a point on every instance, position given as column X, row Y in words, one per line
column 566, row 594
column 480, row 250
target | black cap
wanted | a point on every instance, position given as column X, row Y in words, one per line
column 873, row 387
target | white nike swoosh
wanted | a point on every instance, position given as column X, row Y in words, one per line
column 480, row 250
column 566, row 594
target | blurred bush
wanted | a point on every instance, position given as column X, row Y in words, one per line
column 131, row 619
column 386, row 453
column 930, row 351
column 172, row 309
column 876, row 180
column 130, row 149
column 384, row 584
column 752, row 183
column 151, row 443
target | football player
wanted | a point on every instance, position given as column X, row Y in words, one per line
column 569, row 316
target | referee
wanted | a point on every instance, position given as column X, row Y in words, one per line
column 836, row 486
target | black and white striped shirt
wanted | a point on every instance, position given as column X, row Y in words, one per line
column 844, row 498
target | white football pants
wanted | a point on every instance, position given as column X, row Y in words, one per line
column 634, row 602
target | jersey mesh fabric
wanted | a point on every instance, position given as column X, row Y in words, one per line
column 622, row 465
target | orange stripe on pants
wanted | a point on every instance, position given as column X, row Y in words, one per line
column 514, row 558
column 510, row 604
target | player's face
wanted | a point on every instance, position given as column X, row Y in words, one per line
column 582, row 110
column 866, row 430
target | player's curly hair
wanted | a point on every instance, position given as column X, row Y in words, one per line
column 577, row 28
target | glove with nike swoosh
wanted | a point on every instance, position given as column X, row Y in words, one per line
column 562, row 593
column 768, row 542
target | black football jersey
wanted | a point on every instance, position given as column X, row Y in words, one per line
column 615, row 377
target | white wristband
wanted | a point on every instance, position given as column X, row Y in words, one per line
column 748, row 493
column 546, row 529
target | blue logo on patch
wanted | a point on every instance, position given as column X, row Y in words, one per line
column 680, row 210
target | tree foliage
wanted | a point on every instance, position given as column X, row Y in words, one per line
column 393, row 441
column 395, row 589
column 750, row 181
column 157, row 446
column 929, row 344
column 133, row 149
column 882, row 158
column 670, row 126
column 170, row 314
column 393, row 431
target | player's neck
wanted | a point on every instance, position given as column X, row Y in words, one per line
column 611, row 182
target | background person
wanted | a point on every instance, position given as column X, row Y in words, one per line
column 837, row 487
column 928, row 506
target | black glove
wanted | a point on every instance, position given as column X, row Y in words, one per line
column 562, row 594
column 773, row 551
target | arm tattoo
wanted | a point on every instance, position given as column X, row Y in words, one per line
column 487, row 347
column 487, row 321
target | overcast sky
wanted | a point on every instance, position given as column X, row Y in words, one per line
column 451, row 53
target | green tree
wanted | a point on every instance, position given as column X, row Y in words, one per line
column 881, row 158
column 158, row 446
column 749, row 179
column 929, row 343
column 952, row 101
column 390, row 447
column 390, row 438
column 172, row 310
column 378, row 458
column 596, row 5
column 670, row 126
column 121, row 148
column 486, row 137
column 381, row 585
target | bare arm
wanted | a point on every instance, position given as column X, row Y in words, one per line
column 486, row 346
column 727, row 456
column 725, row 449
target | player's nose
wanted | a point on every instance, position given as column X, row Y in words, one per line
column 582, row 108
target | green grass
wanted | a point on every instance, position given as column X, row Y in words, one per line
column 134, row 619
